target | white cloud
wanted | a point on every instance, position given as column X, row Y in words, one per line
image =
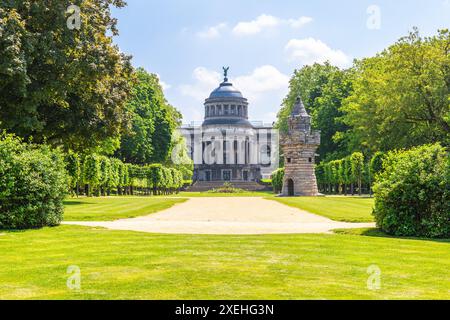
column 265, row 87
column 262, row 81
column 309, row 51
column 204, row 82
column 264, row 22
column 212, row 32
column 165, row 86
column 256, row 26
column 300, row 22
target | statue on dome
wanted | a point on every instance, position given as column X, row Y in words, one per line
column 225, row 73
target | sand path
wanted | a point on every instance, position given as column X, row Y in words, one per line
column 240, row 216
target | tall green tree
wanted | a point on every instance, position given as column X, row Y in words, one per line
column 153, row 121
column 57, row 85
column 401, row 97
column 322, row 88
column 357, row 163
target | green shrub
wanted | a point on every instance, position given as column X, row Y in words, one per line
column 227, row 188
column 412, row 193
column 33, row 185
column 277, row 180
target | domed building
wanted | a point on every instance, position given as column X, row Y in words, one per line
column 227, row 147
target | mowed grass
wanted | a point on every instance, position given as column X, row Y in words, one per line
column 345, row 209
column 131, row 265
column 113, row 208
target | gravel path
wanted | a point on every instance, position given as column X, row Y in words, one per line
column 242, row 216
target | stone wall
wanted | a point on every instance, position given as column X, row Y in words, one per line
column 300, row 169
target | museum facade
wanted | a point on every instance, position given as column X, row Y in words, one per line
column 227, row 146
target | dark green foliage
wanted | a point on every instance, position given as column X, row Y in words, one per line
column 33, row 185
column 412, row 193
column 73, row 168
column 60, row 86
column 376, row 163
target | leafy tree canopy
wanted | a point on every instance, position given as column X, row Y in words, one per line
column 61, row 86
column 401, row 97
column 153, row 122
column 322, row 89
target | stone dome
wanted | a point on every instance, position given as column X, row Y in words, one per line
column 226, row 106
column 226, row 90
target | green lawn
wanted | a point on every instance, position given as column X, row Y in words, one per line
column 346, row 209
column 113, row 208
column 131, row 265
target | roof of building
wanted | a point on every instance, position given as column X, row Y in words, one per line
column 226, row 90
column 227, row 121
column 299, row 109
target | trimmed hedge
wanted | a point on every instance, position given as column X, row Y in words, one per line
column 33, row 185
column 94, row 175
column 412, row 193
column 348, row 175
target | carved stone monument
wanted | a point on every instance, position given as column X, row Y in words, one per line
column 299, row 146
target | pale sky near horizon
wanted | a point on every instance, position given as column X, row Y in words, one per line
column 187, row 42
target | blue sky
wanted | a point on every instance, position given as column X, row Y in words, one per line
column 187, row 42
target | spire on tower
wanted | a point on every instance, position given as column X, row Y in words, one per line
column 299, row 109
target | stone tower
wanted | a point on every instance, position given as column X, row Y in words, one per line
column 299, row 146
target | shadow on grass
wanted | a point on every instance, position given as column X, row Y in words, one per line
column 378, row 233
column 9, row 231
column 75, row 203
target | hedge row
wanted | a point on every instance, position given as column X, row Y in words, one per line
column 33, row 185
column 95, row 175
column 346, row 176
column 350, row 175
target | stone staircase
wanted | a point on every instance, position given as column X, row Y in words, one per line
column 203, row 186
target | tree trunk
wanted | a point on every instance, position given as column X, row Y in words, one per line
column 77, row 189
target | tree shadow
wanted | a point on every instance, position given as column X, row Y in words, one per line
column 378, row 233
column 24, row 230
column 75, row 203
